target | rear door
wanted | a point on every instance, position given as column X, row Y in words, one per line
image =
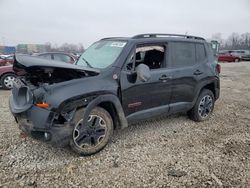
column 229, row 57
column 223, row 57
column 186, row 71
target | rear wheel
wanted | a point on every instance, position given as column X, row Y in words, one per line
column 7, row 80
column 92, row 137
column 203, row 107
column 237, row 60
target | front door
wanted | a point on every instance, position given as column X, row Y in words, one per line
column 139, row 96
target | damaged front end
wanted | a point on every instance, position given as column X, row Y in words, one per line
column 39, row 72
column 36, row 103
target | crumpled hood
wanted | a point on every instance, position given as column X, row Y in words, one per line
column 39, row 71
column 27, row 62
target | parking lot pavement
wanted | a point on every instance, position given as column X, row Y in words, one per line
column 166, row 152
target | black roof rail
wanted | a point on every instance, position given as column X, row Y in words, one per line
column 155, row 35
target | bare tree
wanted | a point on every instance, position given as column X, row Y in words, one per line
column 234, row 41
column 245, row 40
column 218, row 37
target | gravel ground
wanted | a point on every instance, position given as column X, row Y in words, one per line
column 166, row 152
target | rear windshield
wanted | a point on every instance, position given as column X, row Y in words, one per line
column 101, row 54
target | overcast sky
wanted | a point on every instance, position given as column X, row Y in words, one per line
column 81, row 21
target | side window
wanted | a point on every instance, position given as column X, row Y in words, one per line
column 45, row 56
column 10, row 58
column 62, row 57
column 182, row 54
column 150, row 55
column 200, row 52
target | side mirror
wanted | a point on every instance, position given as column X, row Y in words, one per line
column 143, row 72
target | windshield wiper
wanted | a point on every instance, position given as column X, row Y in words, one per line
column 86, row 62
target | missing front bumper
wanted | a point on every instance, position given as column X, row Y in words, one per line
column 38, row 123
column 59, row 136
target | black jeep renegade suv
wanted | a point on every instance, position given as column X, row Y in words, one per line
column 116, row 81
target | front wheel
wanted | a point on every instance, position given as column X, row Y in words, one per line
column 203, row 107
column 7, row 80
column 92, row 137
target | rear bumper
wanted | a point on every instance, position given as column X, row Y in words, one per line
column 217, row 89
column 217, row 93
column 38, row 123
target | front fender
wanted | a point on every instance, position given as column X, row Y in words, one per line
column 106, row 98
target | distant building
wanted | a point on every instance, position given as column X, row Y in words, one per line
column 32, row 48
column 7, row 50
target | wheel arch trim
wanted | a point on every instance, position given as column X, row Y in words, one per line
column 216, row 88
column 4, row 73
column 107, row 98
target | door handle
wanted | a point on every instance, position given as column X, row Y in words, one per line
column 164, row 77
column 198, row 72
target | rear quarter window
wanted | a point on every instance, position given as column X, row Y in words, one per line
column 200, row 52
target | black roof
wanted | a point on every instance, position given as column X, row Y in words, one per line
column 159, row 37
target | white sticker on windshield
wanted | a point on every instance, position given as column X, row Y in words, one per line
column 118, row 44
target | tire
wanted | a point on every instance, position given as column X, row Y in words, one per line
column 7, row 79
column 237, row 60
column 93, row 137
column 199, row 112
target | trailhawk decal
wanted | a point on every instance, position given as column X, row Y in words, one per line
column 135, row 104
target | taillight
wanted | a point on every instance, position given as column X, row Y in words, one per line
column 218, row 68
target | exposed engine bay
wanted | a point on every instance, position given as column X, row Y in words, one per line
column 39, row 76
column 38, row 71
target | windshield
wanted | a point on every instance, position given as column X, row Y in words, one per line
column 101, row 54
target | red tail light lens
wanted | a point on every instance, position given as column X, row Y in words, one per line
column 218, row 68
